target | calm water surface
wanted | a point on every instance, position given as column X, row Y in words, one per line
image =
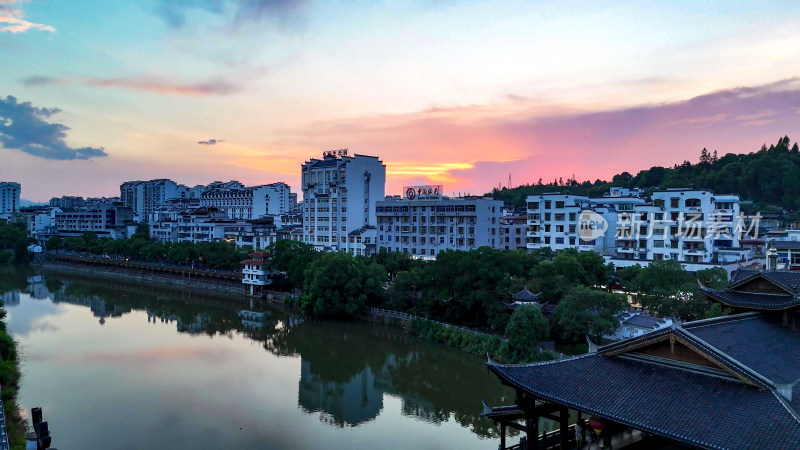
column 120, row 365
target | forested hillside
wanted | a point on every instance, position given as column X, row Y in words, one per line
column 770, row 177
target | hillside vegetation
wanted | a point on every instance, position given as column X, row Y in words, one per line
column 769, row 177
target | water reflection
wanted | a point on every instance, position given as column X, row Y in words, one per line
column 347, row 371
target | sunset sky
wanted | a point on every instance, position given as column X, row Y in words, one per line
column 94, row 93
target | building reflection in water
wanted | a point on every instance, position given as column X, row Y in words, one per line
column 345, row 368
column 348, row 403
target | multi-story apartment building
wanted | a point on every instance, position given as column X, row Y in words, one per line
column 513, row 231
column 555, row 221
column 257, row 234
column 215, row 226
column 41, row 219
column 105, row 220
column 67, row 202
column 143, row 197
column 240, row 202
column 9, row 197
column 201, row 226
column 695, row 227
column 426, row 226
column 339, row 197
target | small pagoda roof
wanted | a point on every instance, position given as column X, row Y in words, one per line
column 525, row 295
column 548, row 309
column 752, row 300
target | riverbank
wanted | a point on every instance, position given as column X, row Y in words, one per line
column 130, row 275
column 471, row 341
column 10, row 375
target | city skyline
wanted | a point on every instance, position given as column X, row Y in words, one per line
column 444, row 92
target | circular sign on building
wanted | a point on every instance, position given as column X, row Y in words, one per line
column 591, row 225
column 411, row 193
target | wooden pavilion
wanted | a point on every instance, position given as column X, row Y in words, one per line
column 725, row 383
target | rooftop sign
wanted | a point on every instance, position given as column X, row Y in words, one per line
column 338, row 153
column 427, row 192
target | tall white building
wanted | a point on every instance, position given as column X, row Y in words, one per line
column 695, row 227
column 425, row 227
column 554, row 221
column 339, row 197
column 9, row 197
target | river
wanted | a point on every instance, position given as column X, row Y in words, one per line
column 120, row 365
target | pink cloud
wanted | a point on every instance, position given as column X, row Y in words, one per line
column 215, row 86
column 475, row 148
column 12, row 19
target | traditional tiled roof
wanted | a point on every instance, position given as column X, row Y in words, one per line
column 754, row 300
column 525, row 295
column 253, row 262
column 787, row 245
column 644, row 321
column 548, row 309
column 329, row 162
column 754, row 340
column 786, row 279
column 737, row 402
column 707, row 411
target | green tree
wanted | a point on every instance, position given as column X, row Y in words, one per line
column 91, row 242
column 74, row 244
column 526, row 328
column 340, row 286
column 54, row 243
column 589, row 311
column 666, row 289
column 142, row 232
column 292, row 257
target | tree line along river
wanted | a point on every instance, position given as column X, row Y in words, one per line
column 132, row 365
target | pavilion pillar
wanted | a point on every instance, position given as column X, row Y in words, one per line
column 531, row 423
column 563, row 416
column 502, row 436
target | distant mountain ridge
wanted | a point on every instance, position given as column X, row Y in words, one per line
column 769, row 177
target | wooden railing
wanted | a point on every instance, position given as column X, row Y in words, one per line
column 410, row 317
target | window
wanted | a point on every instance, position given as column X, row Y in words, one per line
column 559, row 240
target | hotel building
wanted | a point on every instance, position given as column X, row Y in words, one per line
column 424, row 225
column 339, row 197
